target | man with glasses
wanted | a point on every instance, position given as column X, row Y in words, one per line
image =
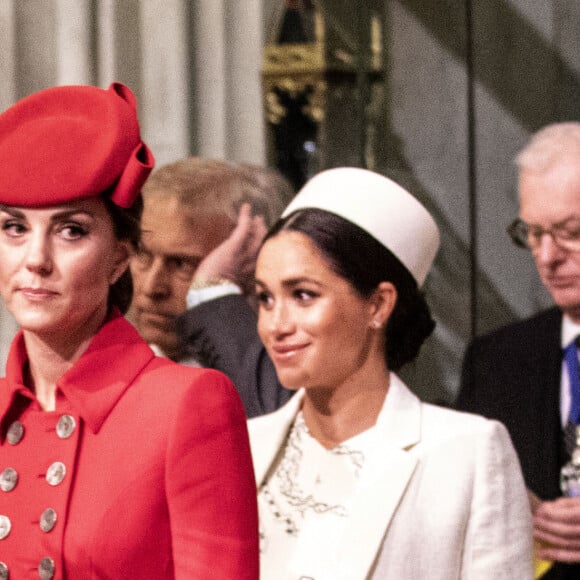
column 526, row 374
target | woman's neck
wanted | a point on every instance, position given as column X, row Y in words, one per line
column 50, row 357
column 334, row 415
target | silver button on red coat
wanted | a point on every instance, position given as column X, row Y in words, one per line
column 66, row 426
column 4, row 574
column 55, row 473
column 46, row 569
column 15, row 433
column 47, row 520
column 8, row 479
column 5, row 526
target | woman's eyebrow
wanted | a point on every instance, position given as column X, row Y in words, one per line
column 64, row 214
column 291, row 282
column 69, row 213
column 12, row 211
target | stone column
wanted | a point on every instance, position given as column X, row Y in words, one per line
column 7, row 53
column 209, row 86
column 165, row 69
column 74, row 42
column 8, row 93
column 244, row 114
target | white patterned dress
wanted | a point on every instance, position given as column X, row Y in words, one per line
column 304, row 503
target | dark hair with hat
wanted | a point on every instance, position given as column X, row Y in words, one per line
column 364, row 262
column 127, row 226
column 74, row 142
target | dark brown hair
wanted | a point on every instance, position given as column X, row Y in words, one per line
column 126, row 226
column 364, row 262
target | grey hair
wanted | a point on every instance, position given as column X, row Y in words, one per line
column 552, row 144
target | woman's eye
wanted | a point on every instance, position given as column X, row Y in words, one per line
column 72, row 231
column 304, row 295
column 263, row 298
column 13, row 228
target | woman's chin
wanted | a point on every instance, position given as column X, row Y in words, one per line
column 292, row 380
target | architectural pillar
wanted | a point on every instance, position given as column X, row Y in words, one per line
column 74, row 42
column 209, row 86
column 245, row 118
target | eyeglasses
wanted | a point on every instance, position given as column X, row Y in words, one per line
column 565, row 235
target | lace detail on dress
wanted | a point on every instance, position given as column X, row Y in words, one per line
column 284, row 495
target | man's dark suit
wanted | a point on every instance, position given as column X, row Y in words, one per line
column 513, row 375
column 221, row 334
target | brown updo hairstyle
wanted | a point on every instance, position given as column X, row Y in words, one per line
column 364, row 262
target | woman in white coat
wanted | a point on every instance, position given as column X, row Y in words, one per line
column 357, row 478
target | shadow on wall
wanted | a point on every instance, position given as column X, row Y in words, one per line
column 511, row 58
column 535, row 85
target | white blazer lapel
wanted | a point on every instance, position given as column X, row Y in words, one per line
column 383, row 483
column 268, row 433
column 384, row 477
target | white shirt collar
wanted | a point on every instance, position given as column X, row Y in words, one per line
column 570, row 330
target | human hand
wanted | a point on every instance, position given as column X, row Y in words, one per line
column 557, row 529
column 235, row 258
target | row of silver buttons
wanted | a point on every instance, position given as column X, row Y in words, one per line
column 46, row 523
column 45, row 570
column 55, row 474
column 64, row 429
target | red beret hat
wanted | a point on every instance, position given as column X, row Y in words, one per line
column 72, row 142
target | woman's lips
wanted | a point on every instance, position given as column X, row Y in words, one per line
column 37, row 294
column 282, row 352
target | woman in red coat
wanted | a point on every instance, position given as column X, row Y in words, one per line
column 113, row 463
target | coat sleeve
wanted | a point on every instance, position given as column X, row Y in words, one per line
column 499, row 533
column 221, row 334
column 210, row 484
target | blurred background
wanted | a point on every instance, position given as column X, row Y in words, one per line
column 439, row 95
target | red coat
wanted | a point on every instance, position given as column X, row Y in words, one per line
column 158, row 481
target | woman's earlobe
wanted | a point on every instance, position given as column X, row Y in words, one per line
column 121, row 264
column 384, row 301
column 116, row 275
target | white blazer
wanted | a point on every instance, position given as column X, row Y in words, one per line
column 443, row 499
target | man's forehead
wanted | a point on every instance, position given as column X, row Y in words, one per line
column 174, row 236
column 159, row 209
column 172, row 244
column 181, row 237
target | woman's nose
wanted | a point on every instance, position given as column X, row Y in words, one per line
column 281, row 319
column 39, row 255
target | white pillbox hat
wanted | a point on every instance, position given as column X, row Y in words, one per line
column 379, row 206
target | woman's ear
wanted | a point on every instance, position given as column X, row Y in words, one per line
column 383, row 301
column 121, row 260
